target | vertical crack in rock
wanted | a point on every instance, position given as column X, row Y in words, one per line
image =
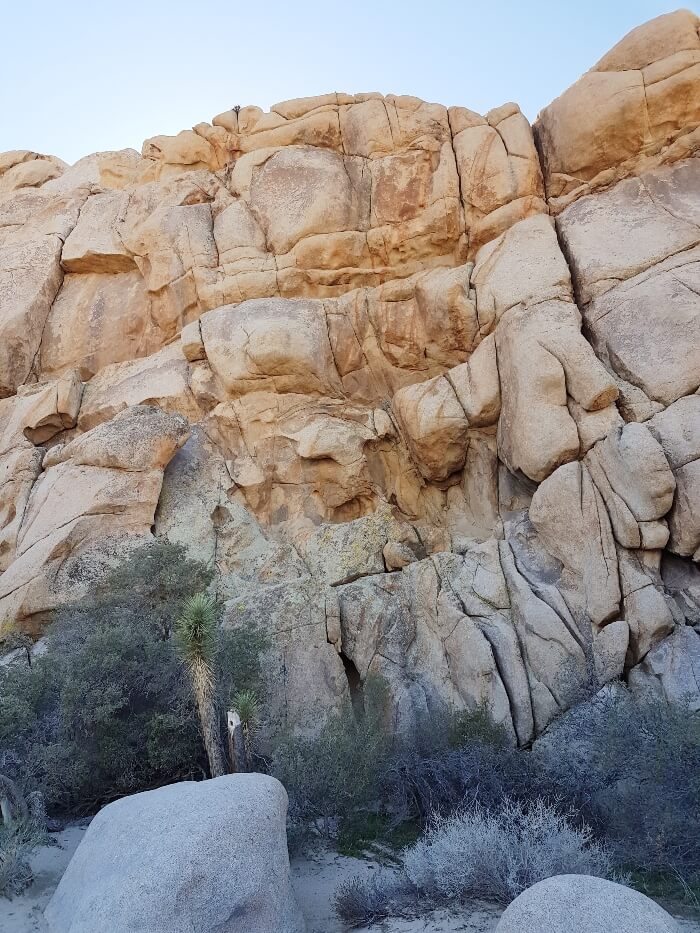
column 355, row 686
column 462, row 211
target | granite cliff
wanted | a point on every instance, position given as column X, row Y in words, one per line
column 421, row 383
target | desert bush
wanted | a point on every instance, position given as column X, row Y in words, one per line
column 362, row 901
column 108, row 710
column 17, row 843
column 627, row 768
column 631, row 767
column 435, row 778
column 22, row 829
column 339, row 771
column 356, row 781
column 474, row 853
column 112, row 714
column 458, row 759
column 464, row 727
column 152, row 583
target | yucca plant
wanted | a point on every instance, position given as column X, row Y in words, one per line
column 247, row 705
column 196, row 639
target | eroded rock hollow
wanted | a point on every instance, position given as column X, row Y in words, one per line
column 421, row 383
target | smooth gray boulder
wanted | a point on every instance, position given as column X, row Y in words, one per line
column 582, row 904
column 194, row 857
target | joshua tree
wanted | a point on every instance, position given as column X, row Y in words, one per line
column 196, row 637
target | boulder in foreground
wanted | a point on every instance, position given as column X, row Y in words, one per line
column 205, row 856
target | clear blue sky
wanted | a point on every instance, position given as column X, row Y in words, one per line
column 77, row 76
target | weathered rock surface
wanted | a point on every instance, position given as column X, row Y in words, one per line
column 93, row 495
column 588, row 905
column 672, row 669
column 422, row 384
column 207, row 855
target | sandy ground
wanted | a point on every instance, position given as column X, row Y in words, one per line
column 25, row 914
column 315, row 879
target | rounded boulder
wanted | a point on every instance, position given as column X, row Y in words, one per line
column 209, row 856
column 582, row 904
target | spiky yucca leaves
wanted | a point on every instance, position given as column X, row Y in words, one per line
column 196, row 639
column 247, row 705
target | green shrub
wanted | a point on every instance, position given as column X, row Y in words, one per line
column 358, row 783
column 338, row 773
column 631, row 767
column 108, row 709
column 469, row 726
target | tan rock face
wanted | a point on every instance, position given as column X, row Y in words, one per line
column 500, row 176
column 93, row 494
column 646, row 113
column 25, row 169
column 94, row 244
column 678, row 431
column 436, row 425
column 424, row 393
column 543, row 361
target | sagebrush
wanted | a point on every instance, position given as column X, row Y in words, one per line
column 363, row 901
column 495, row 855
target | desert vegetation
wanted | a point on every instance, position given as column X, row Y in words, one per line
column 612, row 789
column 130, row 689
column 110, row 706
column 22, row 829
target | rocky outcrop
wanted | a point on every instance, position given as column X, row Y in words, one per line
column 421, row 384
column 89, row 497
column 646, row 113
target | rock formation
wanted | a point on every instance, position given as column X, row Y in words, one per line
column 422, row 384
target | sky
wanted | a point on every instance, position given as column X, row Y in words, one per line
column 78, row 77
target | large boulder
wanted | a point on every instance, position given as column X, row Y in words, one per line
column 582, row 904
column 205, row 856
